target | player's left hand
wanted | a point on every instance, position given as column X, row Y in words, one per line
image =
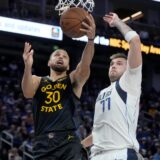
column 89, row 27
column 112, row 19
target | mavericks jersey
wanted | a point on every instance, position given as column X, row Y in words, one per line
column 116, row 113
column 53, row 106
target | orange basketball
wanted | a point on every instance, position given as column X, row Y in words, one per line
column 71, row 22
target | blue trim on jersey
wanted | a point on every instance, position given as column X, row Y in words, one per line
column 131, row 154
column 121, row 92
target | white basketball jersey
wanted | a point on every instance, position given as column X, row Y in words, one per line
column 116, row 113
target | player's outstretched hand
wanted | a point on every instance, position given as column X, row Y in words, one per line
column 89, row 27
column 112, row 19
column 28, row 55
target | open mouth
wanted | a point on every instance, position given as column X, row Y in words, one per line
column 60, row 62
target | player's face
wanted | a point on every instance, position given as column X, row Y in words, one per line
column 117, row 68
column 59, row 61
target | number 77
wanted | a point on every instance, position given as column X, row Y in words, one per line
column 103, row 102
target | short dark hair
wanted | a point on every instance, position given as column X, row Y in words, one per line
column 118, row 55
column 57, row 51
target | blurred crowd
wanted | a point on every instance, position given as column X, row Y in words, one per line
column 16, row 114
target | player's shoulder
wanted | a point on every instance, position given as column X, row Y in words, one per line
column 134, row 70
column 36, row 78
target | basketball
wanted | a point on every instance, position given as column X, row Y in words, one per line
column 71, row 22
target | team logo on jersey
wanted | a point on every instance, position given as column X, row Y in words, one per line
column 105, row 100
column 104, row 95
column 70, row 137
column 52, row 97
column 54, row 87
column 50, row 109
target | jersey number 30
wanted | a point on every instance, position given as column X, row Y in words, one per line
column 53, row 96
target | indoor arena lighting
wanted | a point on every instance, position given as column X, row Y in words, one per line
column 156, row 0
column 133, row 17
column 30, row 28
column 136, row 15
column 126, row 19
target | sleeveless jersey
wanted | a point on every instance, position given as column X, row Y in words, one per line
column 116, row 114
column 53, row 106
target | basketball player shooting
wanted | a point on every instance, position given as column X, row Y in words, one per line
column 117, row 106
column 55, row 97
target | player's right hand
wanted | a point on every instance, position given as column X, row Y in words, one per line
column 28, row 55
column 89, row 27
column 112, row 19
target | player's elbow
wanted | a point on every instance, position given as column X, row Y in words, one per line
column 136, row 40
column 27, row 94
column 85, row 73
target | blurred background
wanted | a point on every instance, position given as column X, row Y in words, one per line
column 16, row 122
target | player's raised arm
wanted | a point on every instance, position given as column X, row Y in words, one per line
column 82, row 71
column 29, row 82
column 134, row 55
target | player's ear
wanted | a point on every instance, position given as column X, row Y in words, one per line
column 68, row 68
column 49, row 62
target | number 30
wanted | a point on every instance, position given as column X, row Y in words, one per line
column 53, row 96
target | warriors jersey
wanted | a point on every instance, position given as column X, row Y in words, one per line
column 53, row 106
column 116, row 113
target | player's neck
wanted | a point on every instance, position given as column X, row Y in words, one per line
column 56, row 75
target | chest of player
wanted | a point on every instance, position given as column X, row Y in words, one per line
column 54, row 90
column 109, row 104
column 53, row 96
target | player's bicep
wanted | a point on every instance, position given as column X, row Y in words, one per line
column 80, row 75
column 131, row 80
column 36, row 82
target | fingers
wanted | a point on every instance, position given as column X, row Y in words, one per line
column 111, row 18
column 91, row 17
column 28, row 54
column 111, row 13
column 90, row 20
column 83, row 30
column 27, row 47
column 28, row 51
column 31, row 52
column 108, row 17
column 88, row 26
column 85, row 25
column 88, row 23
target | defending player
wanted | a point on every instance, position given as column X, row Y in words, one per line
column 117, row 106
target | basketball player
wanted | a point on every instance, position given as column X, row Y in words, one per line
column 55, row 97
column 117, row 106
